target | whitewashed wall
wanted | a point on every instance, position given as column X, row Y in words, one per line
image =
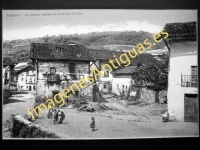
column 120, row 80
column 180, row 64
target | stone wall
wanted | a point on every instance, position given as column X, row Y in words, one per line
column 44, row 89
column 62, row 67
column 149, row 95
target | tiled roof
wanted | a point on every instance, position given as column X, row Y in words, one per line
column 22, row 68
column 104, row 54
column 7, row 61
column 59, row 52
column 126, row 70
column 181, row 30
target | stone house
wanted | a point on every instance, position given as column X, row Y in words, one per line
column 182, row 80
column 59, row 66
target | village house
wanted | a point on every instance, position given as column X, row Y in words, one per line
column 121, row 79
column 102, row 57
column 25, row 78
column 59, row 66
column 8, row 72
column 182, row 80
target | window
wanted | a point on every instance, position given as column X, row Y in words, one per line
column 106, row 75
column 27, row 73
column 27, row 87
column 16, row 77
column 104, row 86
column 72, row 71
column 193, row 70
column 33, row 87
column 21, row 79
column 194, row 74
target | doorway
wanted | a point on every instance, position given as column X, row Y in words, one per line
column 30, row 88
column 191, row 108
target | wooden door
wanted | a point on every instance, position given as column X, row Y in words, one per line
column 29, row 88
column 191, row 108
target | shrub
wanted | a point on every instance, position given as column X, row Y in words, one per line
column 21, row 130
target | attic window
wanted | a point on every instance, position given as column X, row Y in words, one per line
column 71, row 43
column 58, row 50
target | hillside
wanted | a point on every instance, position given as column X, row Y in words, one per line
column 96, row 40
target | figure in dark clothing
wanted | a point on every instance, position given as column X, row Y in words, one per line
column 62, row 117
column 92, row 124
column 56, row 117
column 50, row 114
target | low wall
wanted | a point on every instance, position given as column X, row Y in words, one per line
column 149, row 95
column 22, row 128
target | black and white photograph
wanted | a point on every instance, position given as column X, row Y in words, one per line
column 99, row 73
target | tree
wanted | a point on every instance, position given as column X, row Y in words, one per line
column 154, row 76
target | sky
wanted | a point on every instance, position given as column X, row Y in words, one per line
column 23, row 24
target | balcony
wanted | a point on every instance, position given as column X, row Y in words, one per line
column 58, row 78
column 53, row 78
column 75, row 76
column 189, row 80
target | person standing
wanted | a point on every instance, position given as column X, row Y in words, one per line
column 62, row 117
column 92, row 124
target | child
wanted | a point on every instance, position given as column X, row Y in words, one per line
column 92, row 124
column 50, row 114
column 59, row 116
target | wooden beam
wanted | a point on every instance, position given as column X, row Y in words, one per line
column 97, row 67
column 91, row 64
column 167, row 45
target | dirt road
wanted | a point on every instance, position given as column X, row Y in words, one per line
column 119, row 123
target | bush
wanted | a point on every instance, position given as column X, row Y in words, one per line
column 21, row 130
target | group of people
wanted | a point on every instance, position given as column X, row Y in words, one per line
column 57, row 116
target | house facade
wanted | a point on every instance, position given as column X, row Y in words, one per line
column 182, row 80
column 122, row 79
column 59, row 66
column 25, row 78
column 8, row 72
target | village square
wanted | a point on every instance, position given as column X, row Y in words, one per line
column 103, row 85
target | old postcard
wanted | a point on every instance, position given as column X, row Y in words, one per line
column 99, row 74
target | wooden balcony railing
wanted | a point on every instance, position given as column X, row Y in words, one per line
column 53, row 78
column 58, row 78
column 189, row 80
